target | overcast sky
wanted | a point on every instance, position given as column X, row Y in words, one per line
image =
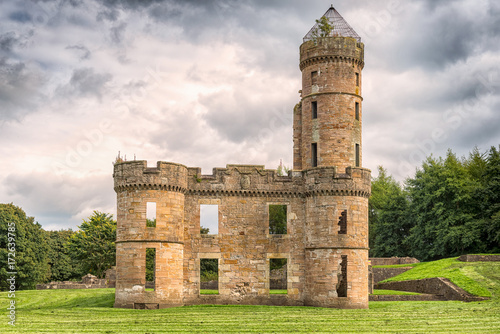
column 207, row 83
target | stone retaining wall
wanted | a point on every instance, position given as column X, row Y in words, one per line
column 380, row 274
column 479, row 258
column 436, row 286
column 389, row 261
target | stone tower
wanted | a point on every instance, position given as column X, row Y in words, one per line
column 327, row 124
column 325, row 199
column 327, row 147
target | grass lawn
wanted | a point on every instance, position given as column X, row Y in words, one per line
column 278, row 292
column 91, row 311
column 209, row 292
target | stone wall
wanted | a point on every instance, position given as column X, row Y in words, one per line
column 436, row 286
column 380, row 274
column 88, row 282
column 389, row 261
column 479, row 258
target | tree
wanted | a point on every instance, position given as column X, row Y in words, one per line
column 28, row 244
column 440, row 209
column 324, row 28
column 384, row 187
column 282, row 170
column 94, row 244
column 63, row 266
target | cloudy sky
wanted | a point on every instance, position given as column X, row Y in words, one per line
column 206, row 83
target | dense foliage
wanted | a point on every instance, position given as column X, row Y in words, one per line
column 25, row 240
column 450, row 207
column 94, row 244
column 63, row 265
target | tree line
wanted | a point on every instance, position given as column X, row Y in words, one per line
column 44, row 256
column 450, row 207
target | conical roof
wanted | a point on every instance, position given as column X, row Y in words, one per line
column 340, row 27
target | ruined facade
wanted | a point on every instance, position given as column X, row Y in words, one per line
column 325, row 242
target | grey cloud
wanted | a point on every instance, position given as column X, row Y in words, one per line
column 85, row 82
column 19, row 90
column 239, row 117
column 117, row 32
column 83, row 50
column 20, row 16
column 7, row 41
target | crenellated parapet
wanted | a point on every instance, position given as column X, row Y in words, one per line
column 137, row 175
column 355, row 181
column 323, row 49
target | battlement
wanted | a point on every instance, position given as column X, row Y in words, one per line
column 137, row 174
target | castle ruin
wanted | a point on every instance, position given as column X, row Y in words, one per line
column 324, row 198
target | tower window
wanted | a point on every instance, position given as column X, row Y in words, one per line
column 357, row 155
column 209, row 219
column 150, row 214
column 342, row 278
column 357, row 79
column 343, row 222
column 314, row 155
column 150, row 269
column 357, row 111
column 277, row 219
column 314, row 108
column 314, row 78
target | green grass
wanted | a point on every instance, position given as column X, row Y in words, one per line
column 473, row 277
column 278, row 292
column 393, row 292
column 91, row 311
column 209, row 292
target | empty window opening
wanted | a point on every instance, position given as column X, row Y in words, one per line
column 277, row 219
column 314, row 78
column 209, row 276
column 314, row 108
column 150, row 214
column 357, row 79
column 357, row 111
column 342, row 278
column 357, row 155
column 278, row 276
column 343, row 222
column 314, row 155
column 209, row 219
column 150, row 269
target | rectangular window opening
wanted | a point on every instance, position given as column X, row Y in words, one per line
column 278, row 276
column 357, row 111
column 357, row 155
column 277, row 219
column 342, row 278
column 357, row 79
column 314, row 108
column 314, row 155
column 209, row 219
column 343, row 222
column 151, row 214
column 150, row 269
column 209, row 276
column 314, row 78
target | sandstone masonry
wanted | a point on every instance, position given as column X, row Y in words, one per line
column 326, row 198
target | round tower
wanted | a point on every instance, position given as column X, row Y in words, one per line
column 327, row 124
column 159, row 244
column 327, row 148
